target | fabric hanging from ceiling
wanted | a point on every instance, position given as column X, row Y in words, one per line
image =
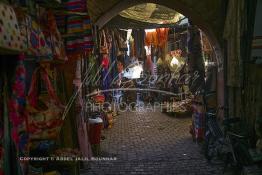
column 126, row 23
column 139, row 36
column 152, row 13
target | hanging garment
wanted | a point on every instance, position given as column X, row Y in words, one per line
column 93, row 70
column 44, row 124
column 17, row 105
column 10, row 34
column 162, row 36
column 113, row 58
column 74, row 24
column 151, row 39
column 233, row 32
column 52, row 35
column 84, row 145
column 139, row 38
column 106, row 81
column 106, row 78
column 105, row 61
column 76, row 5
column 103, row 45
column 149, row 63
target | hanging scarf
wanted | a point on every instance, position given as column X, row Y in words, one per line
column 17, row 104
column 162, row 34
column 105, row 74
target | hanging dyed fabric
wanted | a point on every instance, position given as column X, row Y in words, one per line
column 76, row 5
column 151, row 39
column 113, row 57
column 139, row 37
column 80, row 39
column 17, row 105
column 84, row 145
column 106, row 79
column 52, row 35
column 162, row 36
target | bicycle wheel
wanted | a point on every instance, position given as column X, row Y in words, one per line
column 209, row 147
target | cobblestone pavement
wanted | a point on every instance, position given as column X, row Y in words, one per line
column 150, row 143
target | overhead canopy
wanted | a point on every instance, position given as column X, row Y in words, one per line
column 126, row 23
column 152, row 13
column 205, row 13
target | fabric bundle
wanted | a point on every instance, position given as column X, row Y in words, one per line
column 76, row 5
column 87, row 24
column 74, row 24
column 79, row 28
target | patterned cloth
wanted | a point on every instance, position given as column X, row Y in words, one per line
column 10, row 35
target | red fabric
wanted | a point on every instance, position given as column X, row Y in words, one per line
column 105, row 61
column 95, row 133
column 32, row 95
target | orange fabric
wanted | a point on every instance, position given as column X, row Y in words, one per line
column 162, row 36
column 151, row 38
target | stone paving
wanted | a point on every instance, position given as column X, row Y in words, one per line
column 150, row 143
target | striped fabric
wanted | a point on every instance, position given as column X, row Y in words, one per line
column 74, row 24
column 80, row 28
column 76, row 5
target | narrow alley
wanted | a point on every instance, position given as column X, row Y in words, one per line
column 150, row 143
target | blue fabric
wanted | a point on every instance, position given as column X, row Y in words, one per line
column 106, row 79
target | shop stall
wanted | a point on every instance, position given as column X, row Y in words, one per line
column 44, row 47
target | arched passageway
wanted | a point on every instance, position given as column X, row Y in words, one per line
column 203, row 14
column 149, row 142
column 207, row 15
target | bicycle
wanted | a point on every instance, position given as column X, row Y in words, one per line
column 226, row 144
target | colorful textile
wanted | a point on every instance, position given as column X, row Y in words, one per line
column 52, row 35
column 17, row 104
column 84, row 145
column 151, row 39
column 162, row 36
column 37, row 43
column 74, row 24
column 80, row 30
column 76, row 5
column 10, row 34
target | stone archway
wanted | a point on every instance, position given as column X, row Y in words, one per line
column 180, row 7
column 188, row 9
